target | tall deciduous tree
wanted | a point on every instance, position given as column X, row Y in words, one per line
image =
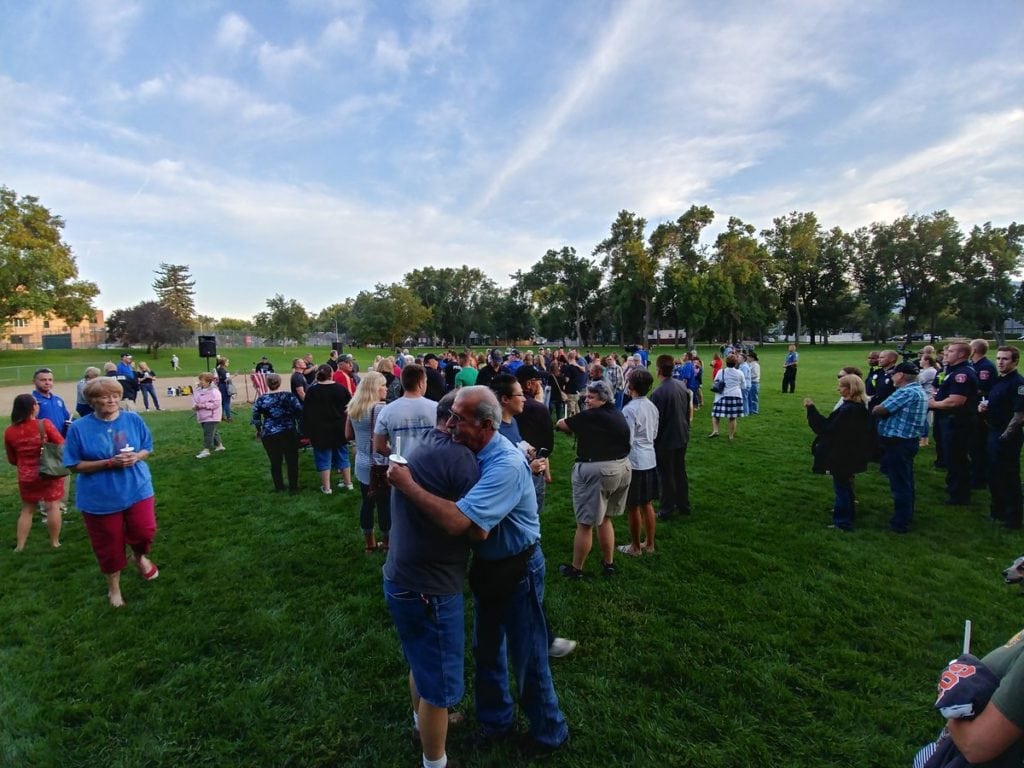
column 564, row 290
column 632, row 272
column 38, row 273
column 738, row 262
column 286, row 320
column 390, row 313
column 677, row 245
column 985, row 295
column 792, row 243
column 919, row 254
column 456, row 297
column 147, row 323
column 175, row 289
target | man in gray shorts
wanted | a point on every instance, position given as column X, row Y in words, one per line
column 600, row 477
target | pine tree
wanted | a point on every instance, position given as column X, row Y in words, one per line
column 174, row 289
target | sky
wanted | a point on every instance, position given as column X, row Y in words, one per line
column 314, row 148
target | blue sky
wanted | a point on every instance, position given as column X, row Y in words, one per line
column 316, row 147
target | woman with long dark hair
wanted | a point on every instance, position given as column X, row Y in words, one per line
column 24, row 441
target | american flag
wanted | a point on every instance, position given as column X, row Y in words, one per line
column 259, row 383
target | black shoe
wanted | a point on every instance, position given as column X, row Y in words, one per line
column 664, row 515
column 530, row 747
column 608, row 569
column 570, row 572
column 485, row 739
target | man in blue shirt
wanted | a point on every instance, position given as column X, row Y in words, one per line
column 789, row 370
column 507, row 576
column 51, row 406
column 901, row 420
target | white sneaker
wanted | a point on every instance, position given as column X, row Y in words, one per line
column 346, row 486
column 203, row 454
column 220, row 448
column 561, row 647
column 326, row 491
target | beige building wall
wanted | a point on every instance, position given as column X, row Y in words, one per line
column 27, row 330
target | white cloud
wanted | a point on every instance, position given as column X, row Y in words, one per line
column 389, row 54
column 339, row 34
column 281, row 63
column 110, row 22
column 221, row 95
column 233, row 32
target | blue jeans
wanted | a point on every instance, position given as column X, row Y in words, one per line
column 754, row 395
column 514, row 630
column 842, row 512
column 431, row 629
column 383, row 506
column 898, row 465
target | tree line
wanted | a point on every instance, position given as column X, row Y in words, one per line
column 916, row 274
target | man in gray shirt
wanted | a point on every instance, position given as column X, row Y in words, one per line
column 408, row 418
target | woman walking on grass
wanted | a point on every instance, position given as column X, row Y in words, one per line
column 207, row 403
column 323, row 421
column 114, row 490
column 363, row 410
column 23, row 441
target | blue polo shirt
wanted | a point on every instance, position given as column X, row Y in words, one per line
column 503, row 502
column 908, row 413
column 109, row 490
column 52, row 409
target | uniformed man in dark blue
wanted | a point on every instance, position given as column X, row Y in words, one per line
column 1004, row 413
column 987, row 376
column 874, row 371
column 882, row 385
column 956, row 406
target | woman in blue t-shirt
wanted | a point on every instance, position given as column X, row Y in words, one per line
column 114, row 490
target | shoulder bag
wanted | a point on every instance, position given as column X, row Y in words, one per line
column 379, row 486
column 51, row 456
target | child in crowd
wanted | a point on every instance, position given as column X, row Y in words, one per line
column 207, row 403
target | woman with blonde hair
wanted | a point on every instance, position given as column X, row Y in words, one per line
column 844, row 442
column 363, row 411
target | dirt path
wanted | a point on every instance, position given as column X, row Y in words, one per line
column 66, row 389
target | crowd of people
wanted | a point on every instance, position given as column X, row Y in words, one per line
column 465, row 445
column 971, row 407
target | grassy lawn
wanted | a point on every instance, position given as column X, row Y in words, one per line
column 755, row 637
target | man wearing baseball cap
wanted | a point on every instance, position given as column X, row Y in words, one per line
column 902, row 420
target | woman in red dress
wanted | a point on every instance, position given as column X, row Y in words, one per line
column 24, row 443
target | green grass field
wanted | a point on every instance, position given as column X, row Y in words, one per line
column 755, row 637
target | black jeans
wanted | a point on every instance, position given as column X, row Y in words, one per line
column 284, row 446
column 383, row 505
column 789, row 379
column 675, row 485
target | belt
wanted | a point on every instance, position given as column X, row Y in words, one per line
column 581, row 460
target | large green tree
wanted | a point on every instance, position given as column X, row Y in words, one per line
column 984, row 293
column 793, row 244
column 743, row 305
column 677, row 246
column 457, row 297
column 38, row 273
column 390, row 313
column 632, row 274
column 175, row 289
column 148, row 323
column 285, row 320
column 564, row 291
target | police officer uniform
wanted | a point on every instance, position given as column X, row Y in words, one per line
column 1005, row 398
column 882, row 386
column 875, row 374
column 987, row 375
column 957, row 426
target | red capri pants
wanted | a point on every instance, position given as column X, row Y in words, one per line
column 135, row 526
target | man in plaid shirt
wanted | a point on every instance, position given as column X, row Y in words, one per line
column 902, row 422
column 615, row 378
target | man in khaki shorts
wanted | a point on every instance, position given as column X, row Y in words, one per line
column 600, row 476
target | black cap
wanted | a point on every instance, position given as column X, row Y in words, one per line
column 429, row 356
column 908, row 368
column 526, row 373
